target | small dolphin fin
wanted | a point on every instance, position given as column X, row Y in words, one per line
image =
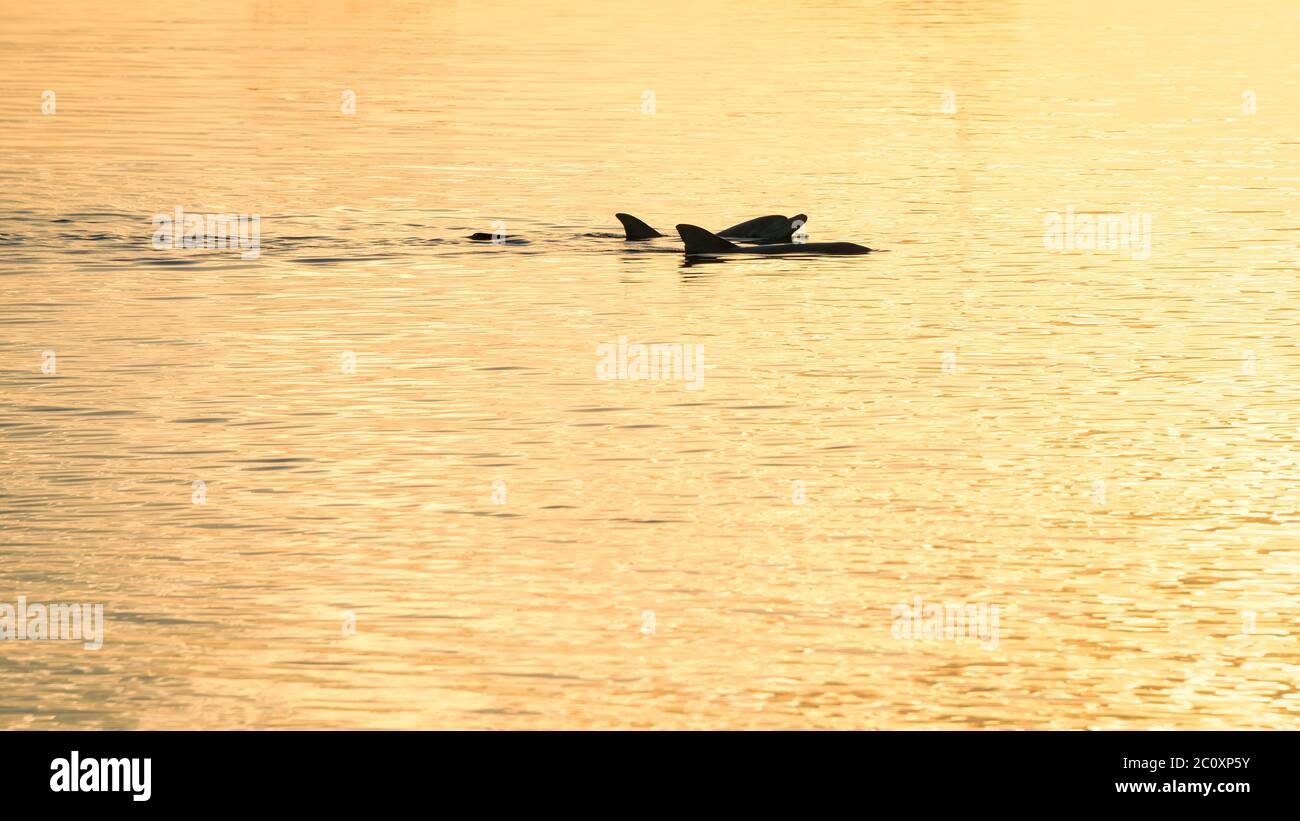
column 699, row 241
column 635, row 228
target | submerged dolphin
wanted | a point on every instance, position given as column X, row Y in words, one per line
column 497, row 239
column 772, row 228
column 701, row 243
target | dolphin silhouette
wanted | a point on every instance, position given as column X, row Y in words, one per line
column 501, row 239
column 701, row 243
column 769, row 229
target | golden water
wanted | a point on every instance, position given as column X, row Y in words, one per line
column 1102, row 446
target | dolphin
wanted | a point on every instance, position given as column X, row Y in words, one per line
column 769, row 229
column 498, row 239
column 701, row 243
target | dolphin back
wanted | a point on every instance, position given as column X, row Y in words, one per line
column 635, row 228
column 809, row 248
column 772, row 228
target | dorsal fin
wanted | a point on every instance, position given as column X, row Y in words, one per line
column 635, row 228
column 699, row 241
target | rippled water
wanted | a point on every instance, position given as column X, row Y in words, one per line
column 400, row 427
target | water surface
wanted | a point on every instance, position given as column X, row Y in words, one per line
column 401, row 427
